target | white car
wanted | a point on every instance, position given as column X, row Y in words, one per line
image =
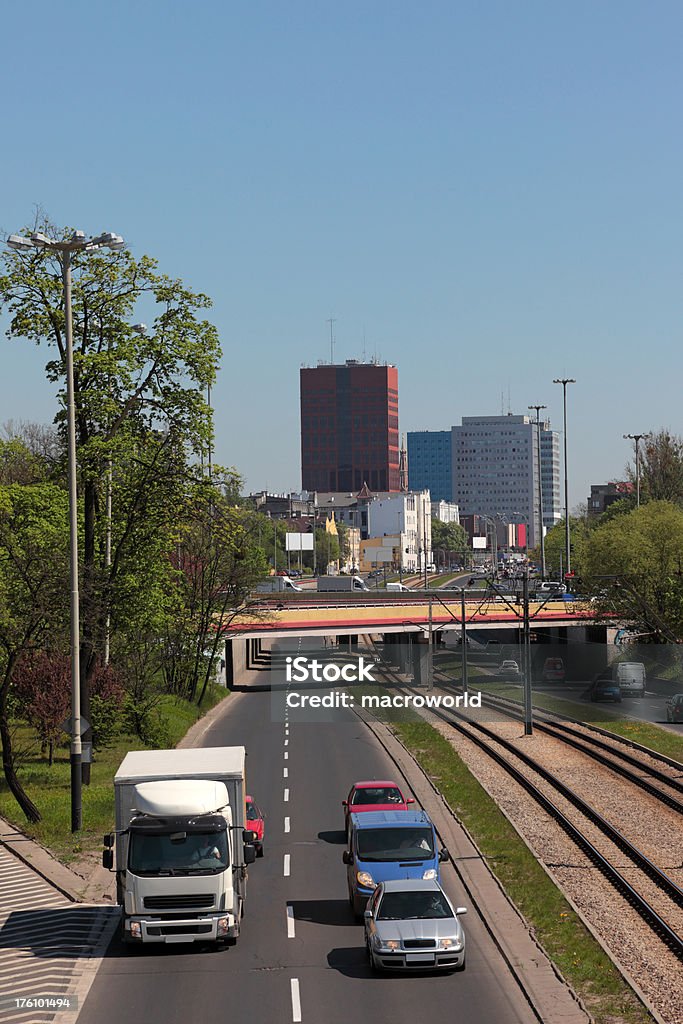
column 410, row 924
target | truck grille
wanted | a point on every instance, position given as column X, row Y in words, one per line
column 190, row 929
column 419, row 944
column 186, row 901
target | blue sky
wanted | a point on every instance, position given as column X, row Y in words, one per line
column 487, row 195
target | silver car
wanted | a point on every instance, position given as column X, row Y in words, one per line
column 411, row 925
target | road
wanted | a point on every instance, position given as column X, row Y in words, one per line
column 308, row 962
column 650, row 708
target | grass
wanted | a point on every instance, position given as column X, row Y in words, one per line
column 49, row 787
column 558, row 928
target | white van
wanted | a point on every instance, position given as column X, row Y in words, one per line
column 631, row 677
column 551, row 585
column 397, row 586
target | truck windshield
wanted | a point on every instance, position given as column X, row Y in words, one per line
column 179, row 853
column 396, row 843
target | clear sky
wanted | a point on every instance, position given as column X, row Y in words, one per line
column 487, row 195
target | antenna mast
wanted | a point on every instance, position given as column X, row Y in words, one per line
column 332, row 320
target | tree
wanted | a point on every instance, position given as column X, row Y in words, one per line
column 43, row 687
column 661, row 467
column 449, row 538
column 129, row 385
column 33, row 581
column 637, row 559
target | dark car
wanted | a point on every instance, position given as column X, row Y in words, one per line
column 604, row 688
column 674, row 708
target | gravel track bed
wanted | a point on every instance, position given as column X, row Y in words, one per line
column 631, row 942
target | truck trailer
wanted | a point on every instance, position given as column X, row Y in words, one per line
column 180, row 848
column 329, row 584
column 276, row 585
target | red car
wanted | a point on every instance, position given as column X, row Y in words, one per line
column 374, row 796
column 256, row 822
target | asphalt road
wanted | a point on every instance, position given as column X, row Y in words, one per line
column 307, row 963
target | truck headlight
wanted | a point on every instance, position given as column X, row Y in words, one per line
column 222, row 926
column 135, row 930
column 429, row 874
column 365, row 879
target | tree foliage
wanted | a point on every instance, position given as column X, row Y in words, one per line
column 661, row 467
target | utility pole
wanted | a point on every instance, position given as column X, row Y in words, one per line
column 526, row 657
column 463, row 641
column 568, row 556
column 636, row 438
column 540, row 484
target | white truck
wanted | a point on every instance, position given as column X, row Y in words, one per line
column 330, row 584
column 180, row 849
column 276, row 585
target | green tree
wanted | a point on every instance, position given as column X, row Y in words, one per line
column 637, row 561
column 128, row 385
column 449, row 538
column 661, row 467
column 33, row 582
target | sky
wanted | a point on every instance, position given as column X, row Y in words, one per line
column 487, row 195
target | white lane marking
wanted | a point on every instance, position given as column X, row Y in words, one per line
column 290, row 921
column 285, row 865
column 296, row 1001
column 286, row 795
column 286, row 824
column 286, row 755
column 285, row 773
column 286, row 742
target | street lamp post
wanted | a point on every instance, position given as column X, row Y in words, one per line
column 567, row 541
column 63, row 251
column 540, row 483
column 636, row 438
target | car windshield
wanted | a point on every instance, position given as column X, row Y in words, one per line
column 253, row 813
column 377, row 795
column 410, row 906
column 178, row 853
column 396, row 843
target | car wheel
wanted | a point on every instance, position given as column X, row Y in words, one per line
column 259, row 850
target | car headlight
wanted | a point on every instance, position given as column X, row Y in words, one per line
column 454, row 944
column 365, row 879
column 381, row 943
column 429, row 874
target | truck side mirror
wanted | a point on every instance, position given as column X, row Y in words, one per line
column 249, row 854
column 444, row 854
column 347, row 857
column 108, row 859
column 248, row 836
column 108, row 840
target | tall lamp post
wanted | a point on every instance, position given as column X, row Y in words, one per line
column 63, row 250
column 636, row 438
column 540, row 483
column 567, row 541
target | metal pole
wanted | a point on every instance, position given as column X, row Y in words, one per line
column 526, row 658
column 76, row 757
column 463, row 641
column 568, row 557
column 540, row 484
column 424, row 536
column 430, row 651
column 636, row 438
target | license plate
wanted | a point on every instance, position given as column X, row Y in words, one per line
column 178, row 938
column 419, row 958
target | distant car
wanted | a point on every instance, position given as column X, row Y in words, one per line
column 374, row 796
column 412, row 925
column 605, row 688
column 509, row 669
column 256, row 821
column 282, row 572
column 553, row 670
column 674, row 708
column 295, row 573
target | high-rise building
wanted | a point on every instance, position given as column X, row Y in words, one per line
column 495, row 470
column 430, row 463
column 349, row 427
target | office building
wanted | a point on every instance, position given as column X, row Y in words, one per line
column 430, row 463
column 349, row 427
column 495, row 470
